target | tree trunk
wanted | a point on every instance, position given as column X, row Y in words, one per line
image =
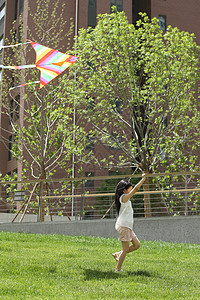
column 42, row 202
column 147, row 200
column 42, row 205
column 41, row 211
column 42, row 189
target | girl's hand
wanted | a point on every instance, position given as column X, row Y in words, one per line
column 143, row 175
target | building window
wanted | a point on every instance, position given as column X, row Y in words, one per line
column 113, row 173
column 165, row 123
column 16, row 9
column 11, row 110
column 17, row 104
column 89, row 143
column 13, row 79
column 20, row 29
column 8, row 185
column 15, row 37
column 118, row 106
column 14, row 109
column 2, row 15
column 162, row 22
column 92, row 13
column 134, row 11
column 15, row 172
column 115, row 142
column 1, row 44
column 90, row 182
column 2, row 12
column 10, row 148
column 90, row 104
column 1, row 40
column 117, row 3
column 21, row 6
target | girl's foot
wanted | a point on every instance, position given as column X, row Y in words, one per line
column 116, row 270
column 116, row 255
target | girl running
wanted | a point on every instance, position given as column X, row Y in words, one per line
column 124, row 224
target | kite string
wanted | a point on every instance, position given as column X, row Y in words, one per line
column 21, row 85
column 18, row 67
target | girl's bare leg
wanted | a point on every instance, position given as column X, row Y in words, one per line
column 135, row 245
column 127, row 249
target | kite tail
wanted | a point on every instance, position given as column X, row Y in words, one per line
column 21, row 85
column 17, row 67
column 11, row 46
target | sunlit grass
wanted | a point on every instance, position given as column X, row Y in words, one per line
column 70, row 267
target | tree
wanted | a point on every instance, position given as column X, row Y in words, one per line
column 43, row 138
column 142, row 84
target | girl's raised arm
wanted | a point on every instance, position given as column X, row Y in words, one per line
column 127, row 196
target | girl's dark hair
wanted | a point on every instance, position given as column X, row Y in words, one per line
column 123, row 184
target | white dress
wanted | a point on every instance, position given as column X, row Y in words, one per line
column 125, row 218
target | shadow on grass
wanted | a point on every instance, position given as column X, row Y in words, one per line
column 96, row 274
column 141, row 273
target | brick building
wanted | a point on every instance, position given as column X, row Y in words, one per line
column 181, row 13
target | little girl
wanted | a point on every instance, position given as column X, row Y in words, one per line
column 124, row 224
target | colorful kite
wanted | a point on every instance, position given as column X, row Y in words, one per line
column 50, row 62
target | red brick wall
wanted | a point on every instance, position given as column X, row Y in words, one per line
column 183, row 14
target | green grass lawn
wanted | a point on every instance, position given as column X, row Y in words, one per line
column 70, row 267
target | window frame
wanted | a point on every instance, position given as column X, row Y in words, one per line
column 89, row 183
column 114, row 3
column 165, row 22
column 10, row 148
